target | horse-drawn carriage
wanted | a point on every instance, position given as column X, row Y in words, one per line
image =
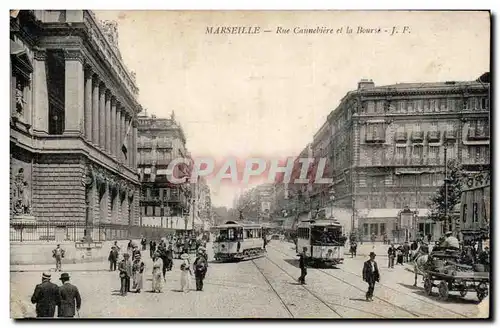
column 443, row 270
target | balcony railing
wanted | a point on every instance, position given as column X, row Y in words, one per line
column 417, row 136
column 434, row 136
column 400, row 136
column 451, row 135
column 474, row 135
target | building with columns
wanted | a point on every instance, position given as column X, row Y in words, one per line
column 73, row 122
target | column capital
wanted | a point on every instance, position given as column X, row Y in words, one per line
column 113, row 100
column 95, row 80
column 40, row 54
column 89, row 71
column 102, row 87
column 74, row 55
column 108, row 94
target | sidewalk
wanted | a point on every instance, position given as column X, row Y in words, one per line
column 88, row 266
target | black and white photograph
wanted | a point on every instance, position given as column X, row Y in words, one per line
column 250, row 164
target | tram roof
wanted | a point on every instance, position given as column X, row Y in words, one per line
column 321, row 223
column 234, row 224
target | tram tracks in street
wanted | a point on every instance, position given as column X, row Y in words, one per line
column 412, row 312
column 328, row 304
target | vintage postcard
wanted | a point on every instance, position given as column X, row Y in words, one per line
column 250, row 164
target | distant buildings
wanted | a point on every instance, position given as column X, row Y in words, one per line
column 164, row 204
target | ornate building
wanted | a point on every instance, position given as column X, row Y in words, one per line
column 73, row 122
column 389, row 146
column 163, row 204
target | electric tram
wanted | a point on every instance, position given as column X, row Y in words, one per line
column 323, row 240
column 238, row 241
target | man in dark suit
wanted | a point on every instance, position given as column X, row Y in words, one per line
column 46, row 296
column 371, row 275
column 70, row 298
column 303, row 266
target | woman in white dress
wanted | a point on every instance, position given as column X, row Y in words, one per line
column 186, row 273
column 157, row 273
column 137, row 271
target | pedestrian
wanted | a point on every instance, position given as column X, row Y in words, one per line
column 152, row 248
column 137, row 273
column 200, row 269
column 125, row 268
column 373, row 237
column 169, row 257
column 115, row 245
column 391, row 253
column 164, row 258
column 399, row 255
column 406, row 252
column 371, row 275
column 136, row 251
column 58, row 255
column 70, row 298
column 186, row 273
column 354, row 248
column 303, row 266
column 429, row 237
column 46, row 297
column 130, row 246
column 157, row 271
column 113, row 259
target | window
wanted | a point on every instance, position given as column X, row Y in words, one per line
column 419, row 104
column 365, row 229
column 425, row 179
column 402, row 106
column 475, row 214
column 433, row 155
column 451, row 105
column 464, row 213
column 479, row 129
column 380, row 106
column 426, row 105
column 411, row 106
column 418, row 154
column 442, row 105
column 382, row 228
column 374, row 229
column 485, row 103
column 370, row 107
column 56, row 91
column 400, row 155
column 155, row 192
column 149, row 210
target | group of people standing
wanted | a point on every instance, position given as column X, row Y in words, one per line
column 47, row 296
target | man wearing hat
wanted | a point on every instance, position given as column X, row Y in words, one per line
column 58, row 255
column 450, row 241
column 125, row 268
column 371, row 275
column 70, row 298
column 200, row 268
column 303, row 266
column 46, row 297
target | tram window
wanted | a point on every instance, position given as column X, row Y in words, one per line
column 230, row 234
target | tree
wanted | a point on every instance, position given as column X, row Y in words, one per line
column 437, row 204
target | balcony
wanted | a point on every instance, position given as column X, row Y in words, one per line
column 434, row 136
column 417, row 136
column 451, row 135
column 476, row 135
column 400, row 137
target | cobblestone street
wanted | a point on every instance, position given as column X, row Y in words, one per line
column 264, row 287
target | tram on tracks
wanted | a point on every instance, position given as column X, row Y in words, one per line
column 238, row 241
column 323, row 240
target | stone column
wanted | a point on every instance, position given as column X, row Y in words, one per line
column 40, row 94
column 102, row 115
column 95, row 110
column 122, row 134
column 134, row 146
column 88, row 103
column 130, row 148
column 112, row 128
column 118, row 130
column 74, row 92
column 108, row 122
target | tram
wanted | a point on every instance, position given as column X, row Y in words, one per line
column 323, row 240
column 238, row 241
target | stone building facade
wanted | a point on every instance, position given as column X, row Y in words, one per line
column 73, row 122
column 162, row 204
column 388, row 149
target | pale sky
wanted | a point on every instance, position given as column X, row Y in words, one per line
column 267, row 94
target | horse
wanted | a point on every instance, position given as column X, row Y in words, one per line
column 419, row 260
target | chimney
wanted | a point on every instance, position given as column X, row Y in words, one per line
column 365, row 84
